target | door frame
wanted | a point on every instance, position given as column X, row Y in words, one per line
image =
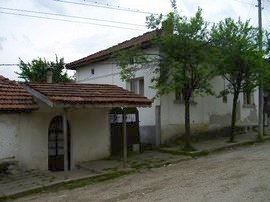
column 59, row 120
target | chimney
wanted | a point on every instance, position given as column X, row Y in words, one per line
column 49, row 75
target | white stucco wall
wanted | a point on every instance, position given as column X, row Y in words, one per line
column 9, row 135
column 107, row 72
column 208, row 113
column 90, row 133
column 25, row 136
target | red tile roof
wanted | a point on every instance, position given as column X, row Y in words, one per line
column 92, row 94
column 144, row 39
column 13, row 97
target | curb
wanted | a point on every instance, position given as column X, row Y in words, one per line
column 84, row 181
column 234, row 145
column 209, row 151
column 66, row 184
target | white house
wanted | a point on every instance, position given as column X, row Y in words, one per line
column 165, row 119
column 56, row 126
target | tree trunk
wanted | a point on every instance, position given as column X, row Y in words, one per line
column 187, row 126
column 235, row 99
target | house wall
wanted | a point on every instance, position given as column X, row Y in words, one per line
column 90, row 133
column 26, row 136
column 108, row 72
column 209, row 112
column 8, row 135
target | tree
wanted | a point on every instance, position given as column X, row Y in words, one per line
column 238, row 59
column 36, row 71
column 183, row 62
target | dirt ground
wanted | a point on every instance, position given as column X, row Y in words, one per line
column 241, row 174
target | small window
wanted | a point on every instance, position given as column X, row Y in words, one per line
column 248, row 98
column 133, row 85
column 137, row 86
column 225, row 98
column 141, row 87
column 131, row 61
column 179, row 97
column 92, row 71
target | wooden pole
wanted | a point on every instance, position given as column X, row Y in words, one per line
column 65, row 131
column 124, row 138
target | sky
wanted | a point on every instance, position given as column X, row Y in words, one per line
column 28, row 38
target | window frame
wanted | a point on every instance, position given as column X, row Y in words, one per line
column 136, row 85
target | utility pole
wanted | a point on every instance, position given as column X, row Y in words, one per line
column 260, row 124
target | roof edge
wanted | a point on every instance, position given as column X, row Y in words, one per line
column 38, row 95
column 106, row 53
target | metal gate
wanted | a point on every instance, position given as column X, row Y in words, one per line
column 132, row 123
column 56, row 145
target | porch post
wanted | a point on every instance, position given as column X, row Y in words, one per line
column 65, row 131
column 124, row 138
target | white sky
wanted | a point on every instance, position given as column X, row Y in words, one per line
column 28, row 38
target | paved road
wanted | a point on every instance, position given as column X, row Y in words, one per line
column 236, row 175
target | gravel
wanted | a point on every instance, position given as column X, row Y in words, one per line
column 241, row 174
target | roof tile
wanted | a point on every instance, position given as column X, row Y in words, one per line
column 93, row 94
column 13, row 97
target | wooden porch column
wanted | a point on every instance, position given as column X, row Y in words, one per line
column 65, row 131
column 124, row 138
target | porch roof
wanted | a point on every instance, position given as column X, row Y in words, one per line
column 13, row 97
column 71, row 94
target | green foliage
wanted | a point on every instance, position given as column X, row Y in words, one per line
column 238, row 59
column 131, row 60
column 266, row 63
column 183, row 61
column 36, row 71
column 237, row 56
column 184, row 64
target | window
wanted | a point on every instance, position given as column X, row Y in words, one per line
column 92, row 71
column 179, row 98
column 225, row 98
column 248, row 98
column 137, row 86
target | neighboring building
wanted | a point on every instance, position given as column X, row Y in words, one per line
column 33, row 130
column 167, row 113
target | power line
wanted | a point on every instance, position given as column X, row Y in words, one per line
column 8, row 64
column 95, row 4
column 73, row 21
column 71, row 16
column 120, row 7
column 244, row 2
column 251, row 6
